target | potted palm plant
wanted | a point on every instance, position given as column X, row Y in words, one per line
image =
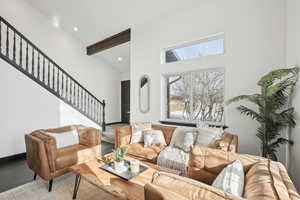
column 120, row 153
column 274, row 112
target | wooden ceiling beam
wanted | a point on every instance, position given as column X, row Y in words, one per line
column 109, row 42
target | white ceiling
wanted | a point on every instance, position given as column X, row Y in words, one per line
column 111, row 56
column 98, row 19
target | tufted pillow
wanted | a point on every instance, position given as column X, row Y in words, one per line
column 231, row 179
column 206, row 136
column 137, row 131
column 154, row 138
column 183, row 138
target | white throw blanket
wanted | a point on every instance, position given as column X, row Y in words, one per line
column 174, row 158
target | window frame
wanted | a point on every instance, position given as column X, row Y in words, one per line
column 166, row 102
column 194, row 42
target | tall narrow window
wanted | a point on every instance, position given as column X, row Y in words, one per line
column 196, row 96
column 206, row 47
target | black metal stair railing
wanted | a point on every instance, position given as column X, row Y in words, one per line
column 22, row 54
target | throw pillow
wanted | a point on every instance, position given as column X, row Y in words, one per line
column 231, row 179
column 65, row 139
column 154, row 138
column 206, row 136
column 137, row 131
column 183, row 138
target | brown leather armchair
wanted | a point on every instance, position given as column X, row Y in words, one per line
column 264, row 179
column 49, row 162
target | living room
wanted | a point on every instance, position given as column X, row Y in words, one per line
column 70, row 74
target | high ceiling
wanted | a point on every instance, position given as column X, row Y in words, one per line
column 98, row 19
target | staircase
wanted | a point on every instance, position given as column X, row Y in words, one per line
column 23, row 55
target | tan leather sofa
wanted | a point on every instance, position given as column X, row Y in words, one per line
column 264, row 179
column 228, row 142
column 49, row 162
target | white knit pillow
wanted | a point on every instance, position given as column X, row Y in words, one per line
column 231, row 179
column 65, row 139
column 154, row 138
column 137, row 131
column 206, row 136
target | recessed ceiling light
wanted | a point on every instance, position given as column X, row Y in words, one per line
column 75, row 28
column 55, row 21
column 120, row 59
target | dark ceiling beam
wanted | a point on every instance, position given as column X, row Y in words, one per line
column 109, row 42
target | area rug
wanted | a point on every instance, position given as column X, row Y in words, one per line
column 62, row 190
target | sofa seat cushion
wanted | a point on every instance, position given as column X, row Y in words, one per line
column 74, row 154
column 174, row 158
column 140, row 152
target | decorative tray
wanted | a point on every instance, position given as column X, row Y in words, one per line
column 126, row 173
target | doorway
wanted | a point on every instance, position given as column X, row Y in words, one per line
column 125, row 101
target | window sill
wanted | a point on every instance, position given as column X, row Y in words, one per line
column 189, row 124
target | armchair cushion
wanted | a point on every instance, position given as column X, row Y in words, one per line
column 74, row 154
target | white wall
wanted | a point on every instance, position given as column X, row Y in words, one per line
column 25, row 106
column 254, row 41
column 125, row 76
column 293, row 58
column 99, row 78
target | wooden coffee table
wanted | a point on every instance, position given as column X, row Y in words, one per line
column 118, row 187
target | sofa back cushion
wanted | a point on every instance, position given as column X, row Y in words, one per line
column 167, row 131
column 269, row 180
column 206, row 163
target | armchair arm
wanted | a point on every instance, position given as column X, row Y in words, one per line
column 123, row 135
column 185, row 188
column 50, row 147
column 228, row 143
column 37, row 158
column 89, row 136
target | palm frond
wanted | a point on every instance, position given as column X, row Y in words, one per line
column 283, row 119
column 254, row 98
column 281, row 89
column 279, row 141
column 272, row 76
column 250, row 113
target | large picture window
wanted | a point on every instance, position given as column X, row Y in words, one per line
column 196, row 96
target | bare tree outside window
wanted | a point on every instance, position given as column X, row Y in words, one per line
column 196, row 96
